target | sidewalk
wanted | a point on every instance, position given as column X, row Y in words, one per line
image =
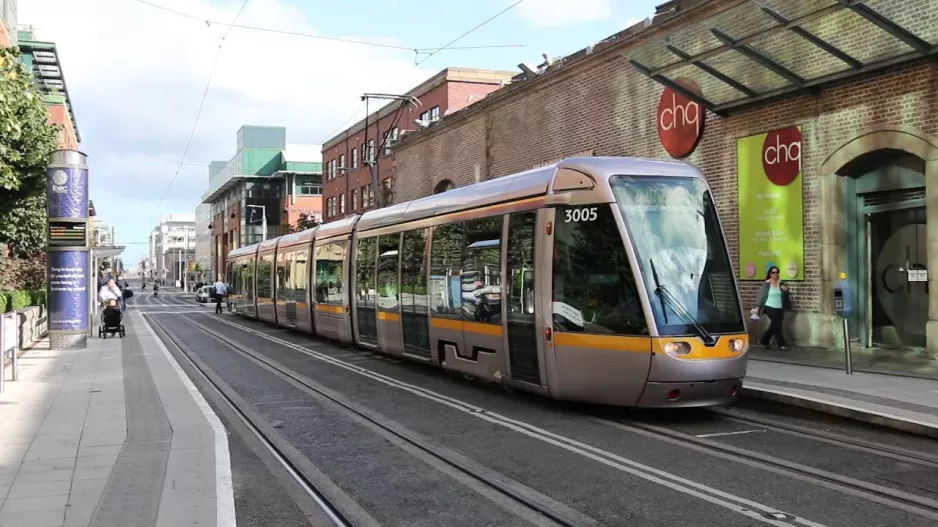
column 903, row 403
column 112, row 435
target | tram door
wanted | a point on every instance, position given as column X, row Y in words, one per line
column 389, row 308
column 365, row 291
column 414, row 299
column 520, row 301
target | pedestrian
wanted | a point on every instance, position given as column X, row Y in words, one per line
column 221, row 290
column 774, row 300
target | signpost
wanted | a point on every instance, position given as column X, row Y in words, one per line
column 69, row 273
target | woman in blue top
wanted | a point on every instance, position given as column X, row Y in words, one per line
column 774, row 301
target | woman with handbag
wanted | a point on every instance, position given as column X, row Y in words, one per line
column 774, row 300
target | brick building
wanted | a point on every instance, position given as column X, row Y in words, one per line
column 266, row 184
column 347, row 187
column 846, row 90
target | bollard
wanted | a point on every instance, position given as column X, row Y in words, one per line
column 848, row 355
column 15, row 359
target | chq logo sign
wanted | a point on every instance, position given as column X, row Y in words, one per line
column 781, row 155
column 680, row 120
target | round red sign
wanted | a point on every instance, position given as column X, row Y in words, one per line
column 680, row 120
column 781, row 155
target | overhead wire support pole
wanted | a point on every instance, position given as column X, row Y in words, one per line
column 371, row 154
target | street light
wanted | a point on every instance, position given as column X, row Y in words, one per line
column 264, row 217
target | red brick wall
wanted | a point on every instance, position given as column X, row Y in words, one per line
column 302, row 204
column 58, row 115
column 450, row 97
column 610, row 108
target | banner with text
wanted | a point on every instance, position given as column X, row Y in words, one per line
column 68, row 290
column 771, row 204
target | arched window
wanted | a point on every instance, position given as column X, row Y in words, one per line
column 443, row 186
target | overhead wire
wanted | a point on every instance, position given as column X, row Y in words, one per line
column 319, row 37
column 428, row 57
column 198, row 114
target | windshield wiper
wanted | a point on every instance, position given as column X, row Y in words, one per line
column 666, row 297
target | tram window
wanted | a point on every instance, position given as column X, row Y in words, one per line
column 481, row 270
column 445, row 266
column 521, row 263
column 329, row 260
column 388, row 255
column 247, row 278
column 265, row 266
column 232, row 277
column 414, row 270
column 365, row 271
column 283, row 276
column 594, row 290
column 300, row 274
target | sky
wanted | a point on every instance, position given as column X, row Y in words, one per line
column 136, row 75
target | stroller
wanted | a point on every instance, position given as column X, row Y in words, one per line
column 111, row 321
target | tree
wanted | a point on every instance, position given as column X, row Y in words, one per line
column 304, row 222
column 26, row 140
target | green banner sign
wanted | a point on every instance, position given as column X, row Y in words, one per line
column 771, row 205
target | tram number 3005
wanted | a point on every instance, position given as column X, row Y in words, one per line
column 583, row 214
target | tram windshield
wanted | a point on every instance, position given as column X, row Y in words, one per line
column 682, row 254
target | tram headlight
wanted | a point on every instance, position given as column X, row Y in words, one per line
column 738, row 345
column 677, row 348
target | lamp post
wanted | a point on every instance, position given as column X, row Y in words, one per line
column 264, row 217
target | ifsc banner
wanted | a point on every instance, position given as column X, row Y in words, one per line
column 771, row 204
column 68, row 290
column 68, row 192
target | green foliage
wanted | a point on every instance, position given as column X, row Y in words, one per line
column 26, row 136
column 14, row 300
column 23, row 217
column 304, row 222
column 26, row 140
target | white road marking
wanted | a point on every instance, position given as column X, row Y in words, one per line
column 738, row 504
column 719, row 434
column 224, row 490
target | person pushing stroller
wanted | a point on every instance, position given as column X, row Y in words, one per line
column 110, row 296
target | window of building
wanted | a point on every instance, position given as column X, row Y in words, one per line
column 342, row 166
column 354, row 159
column 341, row 203
column 435, row 113
column 309, row 189
column 387, row 191
column 354, row 200
column 391, row 137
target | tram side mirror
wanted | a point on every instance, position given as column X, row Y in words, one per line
column 843, row 298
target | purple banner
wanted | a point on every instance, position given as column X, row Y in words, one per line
column 68, row 192
column 68, row 290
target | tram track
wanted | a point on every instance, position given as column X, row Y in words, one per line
column 331, row 512
column 907, row 501
column 840, row 440
column 543, row 512
column 753, row 509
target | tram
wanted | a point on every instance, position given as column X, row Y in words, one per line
column 595, row 279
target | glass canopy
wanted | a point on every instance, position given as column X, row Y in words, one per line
column 764, row 48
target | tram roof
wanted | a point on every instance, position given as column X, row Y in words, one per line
column 297, row 238
column 243, row 251
column 530, row 183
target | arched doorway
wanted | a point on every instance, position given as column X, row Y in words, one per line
column 443, row 186
column 886, row 245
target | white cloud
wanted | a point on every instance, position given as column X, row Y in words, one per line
column 555, row 13
column 136, row 74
